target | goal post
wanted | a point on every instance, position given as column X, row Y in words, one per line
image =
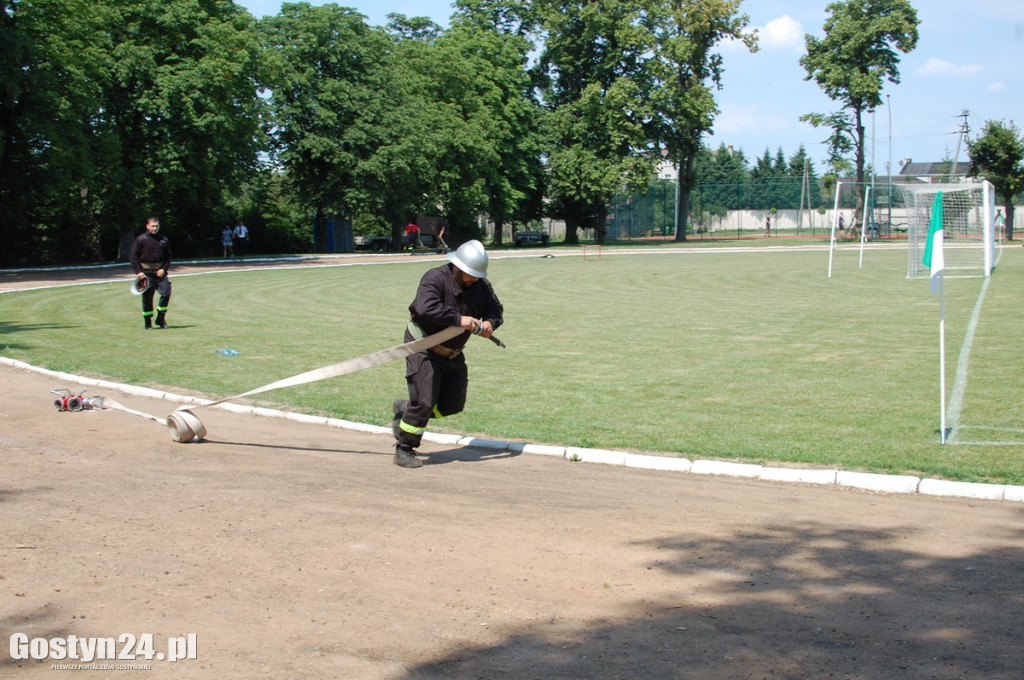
column 858, row 220
column 968, row 227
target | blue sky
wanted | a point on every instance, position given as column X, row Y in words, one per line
column 968, row 58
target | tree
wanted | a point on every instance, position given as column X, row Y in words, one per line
column 113, row 111
column 684, row 72
column 765, row 179
column 998, row 156
column 721, row 178
column 858, row 52
column 490, row 40
column 51, row 75
column 475, row 88
column 181, row 102
column 590, row 83
column 325, row 65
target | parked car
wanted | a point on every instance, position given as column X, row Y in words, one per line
column 375, row 243
column 530, row 238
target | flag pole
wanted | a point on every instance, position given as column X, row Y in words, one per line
column 935, row 260
column 942, row 357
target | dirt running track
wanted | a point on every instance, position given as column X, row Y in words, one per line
column 298, row 551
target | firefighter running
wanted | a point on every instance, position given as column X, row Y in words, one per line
column 454, row 294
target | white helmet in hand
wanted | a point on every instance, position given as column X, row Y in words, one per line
column 471, row 258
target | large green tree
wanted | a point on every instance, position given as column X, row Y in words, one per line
column 767, row 180
column 590, row 77
column 998, row 156
column 684, row 72
column 431, row 131
column 52, row 69
column 479, row 122
column 181, row 102
column 325, row 66
column 850, row 64
column 116, row 110
column 494, row 49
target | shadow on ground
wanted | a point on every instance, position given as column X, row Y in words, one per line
column 805, row 581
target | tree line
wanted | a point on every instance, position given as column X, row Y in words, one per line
column 195, row 111
column 199, row 113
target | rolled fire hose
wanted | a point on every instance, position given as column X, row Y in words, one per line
column 185, row 426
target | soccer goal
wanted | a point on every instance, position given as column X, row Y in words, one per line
column 968, row 227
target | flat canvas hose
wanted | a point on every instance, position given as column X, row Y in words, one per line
column 185, row 426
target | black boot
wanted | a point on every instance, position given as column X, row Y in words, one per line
column 398, row 407
column 148, row 320
column 160, row 321
column 406, row 458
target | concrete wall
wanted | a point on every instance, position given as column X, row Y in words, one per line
column 746, row 222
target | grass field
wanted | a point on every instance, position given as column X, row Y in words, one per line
column 717, row 353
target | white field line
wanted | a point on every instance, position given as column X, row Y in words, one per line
column 960, row 382
column 956, row 401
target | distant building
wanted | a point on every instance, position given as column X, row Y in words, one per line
column 930, row 173
column 667, row 169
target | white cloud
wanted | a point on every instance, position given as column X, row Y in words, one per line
column 941, row 67
column 999, row 86
column 783, row 33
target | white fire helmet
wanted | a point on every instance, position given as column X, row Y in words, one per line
column 471, row 258
column 140, row 286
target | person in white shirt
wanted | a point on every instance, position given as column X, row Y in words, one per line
column 241, row 235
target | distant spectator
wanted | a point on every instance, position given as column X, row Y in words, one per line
column 225, row 241
column 412, row 236
column 241, row 235
column 440, row 235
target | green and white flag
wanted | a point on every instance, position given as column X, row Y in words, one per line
column 934, row 258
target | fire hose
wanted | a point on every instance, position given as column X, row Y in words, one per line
column 184, row 426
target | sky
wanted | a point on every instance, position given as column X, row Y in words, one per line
column 967, row 59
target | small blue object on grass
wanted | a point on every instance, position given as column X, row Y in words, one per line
column 223, row 351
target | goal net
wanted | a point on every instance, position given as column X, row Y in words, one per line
column 968, row 227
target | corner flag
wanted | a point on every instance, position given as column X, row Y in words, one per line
column 934, row 258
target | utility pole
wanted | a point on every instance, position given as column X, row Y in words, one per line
column 964, row 129
column 805, row 197
column 888, row 169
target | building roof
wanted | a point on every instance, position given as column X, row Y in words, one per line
column 933, row 169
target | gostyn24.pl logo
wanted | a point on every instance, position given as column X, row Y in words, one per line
column 126, row 647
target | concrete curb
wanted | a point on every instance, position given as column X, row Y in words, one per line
column 719, row 467
column 874, row 482
column 904, row 484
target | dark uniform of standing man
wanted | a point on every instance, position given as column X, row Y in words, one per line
column 455, row 294
column 151, row 258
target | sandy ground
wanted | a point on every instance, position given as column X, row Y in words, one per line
column 294, row 550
